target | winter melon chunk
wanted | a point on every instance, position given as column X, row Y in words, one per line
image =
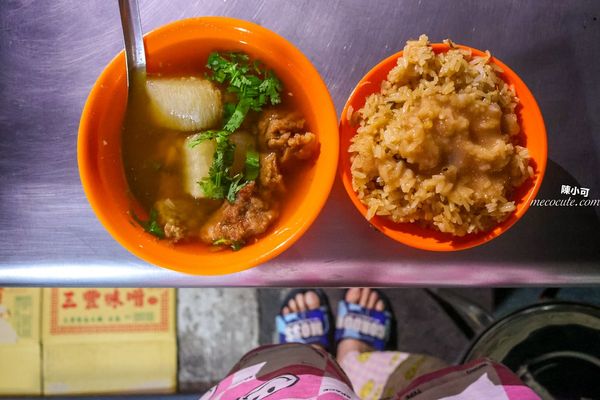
column 196, row 164
column 184, row 103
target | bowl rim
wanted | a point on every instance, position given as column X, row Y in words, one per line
column 468, row 241
column 86, row 157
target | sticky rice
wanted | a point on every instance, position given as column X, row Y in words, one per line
column 438, row 144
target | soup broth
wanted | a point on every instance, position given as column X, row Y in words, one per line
column 200, row 177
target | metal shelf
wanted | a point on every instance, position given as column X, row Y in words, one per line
column 52, row 52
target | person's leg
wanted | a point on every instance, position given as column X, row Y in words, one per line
column 479, row 379
column 288, row 371
column 305, row 317
column 369, row 299
column 377, row 374
column 403, row 376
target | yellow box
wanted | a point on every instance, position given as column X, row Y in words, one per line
column 109, row 341
column 20, row 355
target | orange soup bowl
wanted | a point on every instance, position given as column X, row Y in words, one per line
column 183, row 47
column 532, row 136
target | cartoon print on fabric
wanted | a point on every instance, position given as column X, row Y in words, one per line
column 209, row 394
column 270, row 387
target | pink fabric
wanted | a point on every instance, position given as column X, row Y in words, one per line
column 475, row 380
column 514, row 388
column 296, row 371
column 382, row 374
column 287, row 371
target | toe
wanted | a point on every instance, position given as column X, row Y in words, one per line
column 300, row 302
column 373, row 297
column 285, row 310
column 293, row 306
column 353, row 295
column 380, row 305
column 364, row 297
column 312, row 300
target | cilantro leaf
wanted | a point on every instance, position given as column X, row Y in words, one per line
column 271, row 87
column 215, row 186
column 236, row 119
column 228, row 109
column 206, row 135
column 252, row 165
column 211, row 190
column 254, row 87
column 237, row 183
column 151, row 226
column 235, row 245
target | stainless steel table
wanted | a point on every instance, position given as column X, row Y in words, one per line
column 52, row 51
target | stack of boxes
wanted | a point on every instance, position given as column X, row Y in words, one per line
column 20, row 350
column 92, row 341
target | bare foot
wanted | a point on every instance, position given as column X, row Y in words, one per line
column 308, row 300
column 367, row 298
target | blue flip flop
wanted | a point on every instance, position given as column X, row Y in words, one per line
column 370, row 326
column 309, row 327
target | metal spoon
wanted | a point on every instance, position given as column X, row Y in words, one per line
column 134, row 132
column 134, row 43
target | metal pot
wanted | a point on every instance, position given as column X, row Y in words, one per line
column 554, row 347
